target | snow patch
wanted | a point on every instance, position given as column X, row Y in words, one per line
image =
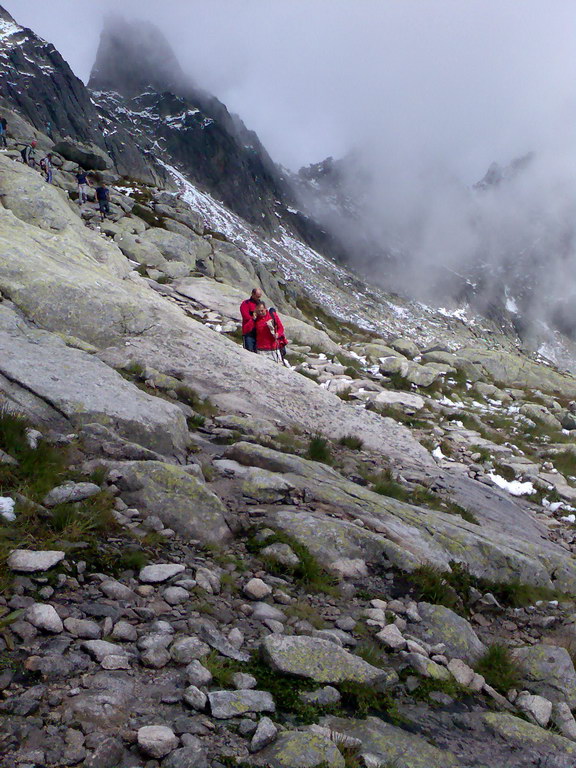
column 514, row 487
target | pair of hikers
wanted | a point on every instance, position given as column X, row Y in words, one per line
column 102, row 193
column 262, row 329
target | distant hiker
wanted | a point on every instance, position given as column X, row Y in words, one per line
column 103, row 198
column 47, row 166
column 28, row 154
column 269, row 332
column 3, row 131
column 247, row 310
column 83, row 186
column 49, row 128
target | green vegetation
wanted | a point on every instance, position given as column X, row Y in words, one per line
column 499, row 668
column 319, row 450
column 351, row 441
column 432, row 585
column 485, row 454
column 304, row 611
column 345, row 394
column 565, row 463
column 398, row 414
column 308, row 573
column 429, row 685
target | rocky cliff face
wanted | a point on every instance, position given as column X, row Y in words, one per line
column 208, row 559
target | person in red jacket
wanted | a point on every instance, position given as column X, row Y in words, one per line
column 270, row 336
column 247, row 311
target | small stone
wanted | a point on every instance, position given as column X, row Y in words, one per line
column 281, row 553
column 82, row 628
column 155, row 658
column 175, row 595
column 415, row 647
column 124, row 632
column 208, row 580
column 156, row 740
column 70, row 492
column 391, row 637
column 241, row 681
column 115, row 590
column 461, row 672
column 236, row 638
column 99, row 649
column 264, row 735
column 29, row 560
column 426, row 667
column 195, row 698
column 323, row 697
column 538, row 709
column 263, row 611
column 563, row 719
column 115, row 661
column 227, row 704
column 346, row 623
column 186, row 649
column 197, row 674
column 156, row 574
column 256, row 589
column 43, row 616
column 192, row 755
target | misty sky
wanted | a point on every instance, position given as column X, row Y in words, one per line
column 449, row 84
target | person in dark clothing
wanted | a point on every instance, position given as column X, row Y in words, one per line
column 103, row 198
column 83, row 186
column 3, row 131
column 247, row 311
column 47, row 166
column 28, row 154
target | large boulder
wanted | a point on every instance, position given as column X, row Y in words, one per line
column 87, row 156
column 321, row 661
column 300, row 749
column 66, row 387
column 548, row 671
column 179, row 499
column 386, row 744
column 542, row 745
column 175, row 247
column 441, row 625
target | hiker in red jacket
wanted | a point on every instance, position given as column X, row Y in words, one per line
column 270, row 338
column 247, row 310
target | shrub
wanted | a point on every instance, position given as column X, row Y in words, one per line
column 352, row 442
column 499, row 668
column 345, row 394
column 319, row 450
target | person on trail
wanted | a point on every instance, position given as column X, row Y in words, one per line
column 83, row 186
column 269, row 332
column 47, row 167
column 103, row 198
column 3, row 131
column 247, row 310
column 28, row 154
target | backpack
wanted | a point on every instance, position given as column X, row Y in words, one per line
column 24, row 153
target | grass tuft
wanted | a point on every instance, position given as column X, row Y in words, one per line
column 319, row 450
column 499, row 668
column 351, row 441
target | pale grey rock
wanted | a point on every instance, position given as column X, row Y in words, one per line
column 265, row 612
column 242, row 681
column 563, row 719
column 156, row 740
column 99, row 649
column 187, row 649
column 83, row 628
column 115, row 590
column 256, row 589
column 461, row 672
column 227, row 704
column 192, row 755
column 281, row 553
column 403, row 399
column 391, row 637
column 538, row 709
column 441, row 625
column 321, row 661
column 195, row 698
column 125, row 632
column 405, row 346
column 159, row 572
column 548, row 670
column 197, row 674
column 323, row 697
column 115, row 661
column 43, row 616
column 426, row 667
column 264, row 734
column 69, row 492
column 208, row 580
column 175, row 595
column 155, row 657
column 301, row 749
column 175, row 247
column 30, row 560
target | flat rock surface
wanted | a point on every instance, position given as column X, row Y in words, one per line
column 29, row 560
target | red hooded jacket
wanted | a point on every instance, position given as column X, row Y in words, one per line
column 246, row 309
column 265, row 338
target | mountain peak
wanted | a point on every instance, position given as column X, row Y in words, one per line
column 5, row 16
column 133, row 55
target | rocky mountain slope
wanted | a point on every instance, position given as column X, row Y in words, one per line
column 363, row 559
